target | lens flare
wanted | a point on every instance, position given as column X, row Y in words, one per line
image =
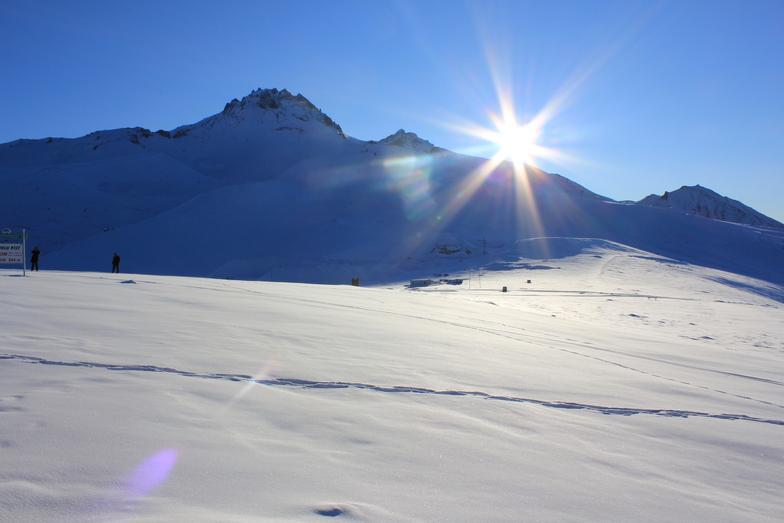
column 151, row 473
column 409, row 176
column 268, row 372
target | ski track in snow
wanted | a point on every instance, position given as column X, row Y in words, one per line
column 515, row 336
column 548, row 339
column 308, row 384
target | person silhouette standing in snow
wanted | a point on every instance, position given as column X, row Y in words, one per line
column 34, row 259
column 116, row 263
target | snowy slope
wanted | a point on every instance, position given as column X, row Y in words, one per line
column 699, row 201
column 616, row 386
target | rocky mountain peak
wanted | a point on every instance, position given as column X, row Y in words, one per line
column 280, row 101
column 408, row 140
column 268, row 99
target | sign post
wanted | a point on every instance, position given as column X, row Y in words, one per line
column 11, row 252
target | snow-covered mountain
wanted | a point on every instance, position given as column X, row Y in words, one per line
column 699, row 201
column 271, row 188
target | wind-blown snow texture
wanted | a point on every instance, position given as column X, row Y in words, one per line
column 272, row 189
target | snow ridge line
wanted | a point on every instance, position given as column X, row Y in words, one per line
column 308, row 384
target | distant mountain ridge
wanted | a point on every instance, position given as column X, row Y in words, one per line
column 700, row 201
column 272, row 188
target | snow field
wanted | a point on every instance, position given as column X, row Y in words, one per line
column 577, row 397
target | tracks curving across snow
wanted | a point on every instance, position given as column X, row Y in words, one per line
column 397, row 389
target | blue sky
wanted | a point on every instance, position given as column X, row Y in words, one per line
column 633, row 97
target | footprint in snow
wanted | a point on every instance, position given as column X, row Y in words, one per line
column 333, row 511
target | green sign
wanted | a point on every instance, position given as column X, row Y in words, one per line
column 8, row 235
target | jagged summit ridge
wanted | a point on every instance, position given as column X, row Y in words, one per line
column 280, row 102
column 269, row 99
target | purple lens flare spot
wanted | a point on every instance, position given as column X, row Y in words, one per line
column 152, row 472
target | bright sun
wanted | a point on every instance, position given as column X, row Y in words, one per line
column 516, row 142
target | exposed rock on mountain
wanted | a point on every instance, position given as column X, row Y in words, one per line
column 408, row 140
